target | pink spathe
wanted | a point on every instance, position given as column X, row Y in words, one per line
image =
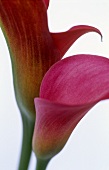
column 68, row 91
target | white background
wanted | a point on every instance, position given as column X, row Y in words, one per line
column 88, row 146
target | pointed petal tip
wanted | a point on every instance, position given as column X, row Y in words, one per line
column 64, row 40
column 87, row 29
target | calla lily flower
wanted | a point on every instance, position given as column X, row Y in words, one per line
column 33, row 50
column 68, row 91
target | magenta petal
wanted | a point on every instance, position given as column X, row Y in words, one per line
column 77, row 80
column 47, row 3
column 64, row 40
column 53, row 126
column 68, row 91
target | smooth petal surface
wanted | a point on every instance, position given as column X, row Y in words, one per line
column 32, row 50
column 64, row 40
column 47, row 3
column 68, row 91
column 79, row 79
column 53, row 126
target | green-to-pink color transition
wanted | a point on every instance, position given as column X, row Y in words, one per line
column 33, row 49
column 68, row 91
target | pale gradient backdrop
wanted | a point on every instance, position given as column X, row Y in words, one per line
column 88, row 146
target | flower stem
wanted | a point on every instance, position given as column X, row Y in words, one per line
column 42, row 164
column 28, row 127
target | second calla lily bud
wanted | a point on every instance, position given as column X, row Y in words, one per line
column 68, row 91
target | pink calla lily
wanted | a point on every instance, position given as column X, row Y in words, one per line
column 68, row 91
column 33, row 49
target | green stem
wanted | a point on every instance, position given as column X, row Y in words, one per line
column 42, row 164
column 28, row 127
